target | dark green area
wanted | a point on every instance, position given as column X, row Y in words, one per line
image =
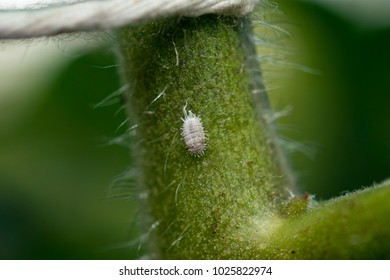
column 342, row 114
column 56, row 168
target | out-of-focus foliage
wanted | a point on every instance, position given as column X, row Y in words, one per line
column 340, row 111
column 56, row 168
column 365, row 13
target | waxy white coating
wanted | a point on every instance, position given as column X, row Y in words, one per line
column 193, row 133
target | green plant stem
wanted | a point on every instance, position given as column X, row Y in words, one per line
column 355, row 226
column 234, row 201
column 214, row 206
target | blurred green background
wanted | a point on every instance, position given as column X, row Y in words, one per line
column 61, row 154
column 340, row 114
column 56, row 160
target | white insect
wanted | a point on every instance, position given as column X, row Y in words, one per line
column 193, row 133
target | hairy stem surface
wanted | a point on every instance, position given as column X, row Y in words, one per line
column 220, row 204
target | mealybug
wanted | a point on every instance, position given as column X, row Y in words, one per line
column 193, row 133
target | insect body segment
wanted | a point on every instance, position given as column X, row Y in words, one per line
column 193, row 133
